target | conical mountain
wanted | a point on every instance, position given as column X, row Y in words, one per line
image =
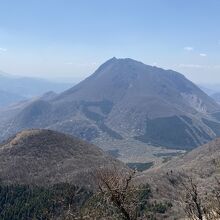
column 126, row 98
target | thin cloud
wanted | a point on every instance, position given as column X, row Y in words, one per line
column 81, row 64
column 197, row 66
column 203, row 55
column 188, row 48
column 2, row 50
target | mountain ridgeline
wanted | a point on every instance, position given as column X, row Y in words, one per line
column 17, row 88
column 125, row 98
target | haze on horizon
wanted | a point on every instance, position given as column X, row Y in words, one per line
column 71, row 38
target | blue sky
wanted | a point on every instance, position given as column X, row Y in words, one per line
column 71, row 38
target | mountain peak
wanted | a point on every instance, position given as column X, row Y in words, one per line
column 115, row 60
column 124, row 60
column 125, row 96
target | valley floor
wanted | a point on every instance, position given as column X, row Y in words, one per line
column 133, row 151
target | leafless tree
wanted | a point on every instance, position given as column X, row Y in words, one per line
column 192, row 200
column 189, row 195
column 122, row 198
column 213, row 203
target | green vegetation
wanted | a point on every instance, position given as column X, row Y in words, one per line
column 170, row 132
column 104, row 107
column 161, row 207
column 19, row 202
column 66, row 201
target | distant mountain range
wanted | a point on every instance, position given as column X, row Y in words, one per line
column 7, row 98
column 15, row 88
column 47, row 157
column 212, row 90
column 124, row 98
column 216, row 96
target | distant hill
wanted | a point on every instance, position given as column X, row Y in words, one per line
column 210, row 88
column 49, row 157
column 216, row 96
column 125, row 98
column 15, row 88
column 7, row 98
column 209, row 91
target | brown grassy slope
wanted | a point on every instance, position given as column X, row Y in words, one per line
column 47, row 157
column 202, row 164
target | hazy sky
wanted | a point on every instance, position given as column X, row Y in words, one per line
column 71, row 38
